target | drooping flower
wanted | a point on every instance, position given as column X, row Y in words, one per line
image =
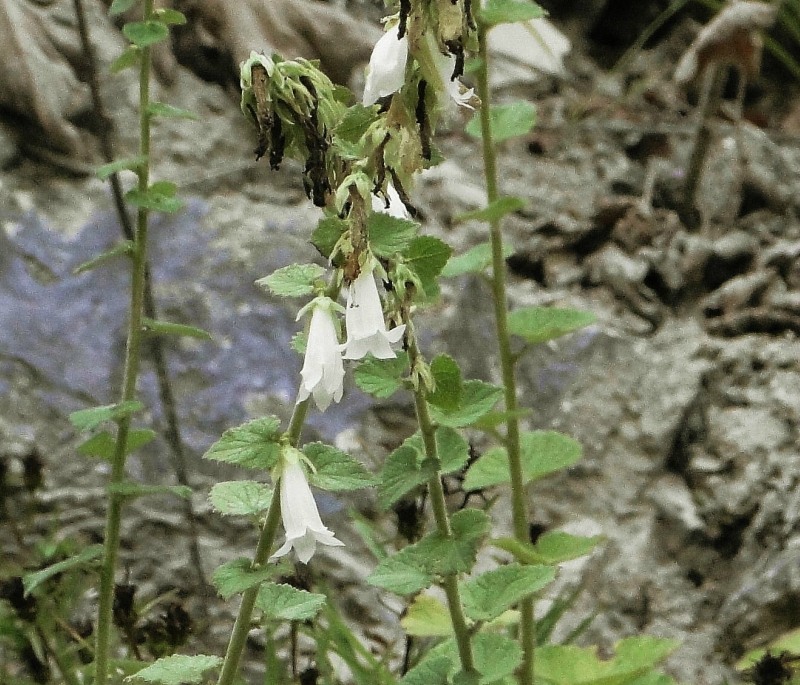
column 323, row 370
column 301, row 521
column 366, row 327
column 387, row 66
column 396, row 207
column 445, row 66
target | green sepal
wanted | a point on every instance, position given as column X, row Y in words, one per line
column 85, row 559
column 131, row 490
column 237, row 576
column 551, row 548
column 335, row 470
column 123, row 249
column 477, row 398
column 178, row 669
column 295, row 280
column 287, row 603
column 89, row 419
column 102, row 445
column 381, row 378
column 540, row 324
column 255, row 444
column 162, row 109
column 494, row 211
column 496, row 12
column 125, row 164
column 507, row 121
column 240, row 497
column 145, row 33
column 389, row 235
column 153, row 327
column 493, row 592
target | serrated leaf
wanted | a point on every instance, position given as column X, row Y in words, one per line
column 255, row 444
column 355, row 122
column 127, row 59
column 404, row 469
column 89, row 419
column 85, row 559
column 145, row 33
column 102, row 444
column 155, row 198
column 539, row 324
column 427, row 256
column 542, row 453
column 430, row 671
column 570, row 665
column 474, row 260
column 335, row 470
column 491, row 593
column 162, row 109
column 427, row 617
column 284, row 602
column 496, row 656
column 170, row 17
column 120, row 6
column 447, row 376
column 240, row 497
column 389, row 235
column 553, row 547
column 123, row 249
column 295, row 280
column 327, row 234
column 177, row 669
column 444, row 556
column 133, row 490
column 381, row 377
column 236, row 576
column 477, row 398
column 125, row 164
column 399, row 574
column 507, row 121
column 494, row 211
column 496, row 12
column 154, row 327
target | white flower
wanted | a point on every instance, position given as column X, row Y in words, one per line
column 366, row 327
column 387, row 66
column 304, row 527
column 445, row 65
column 396, row 207
column 323, row 369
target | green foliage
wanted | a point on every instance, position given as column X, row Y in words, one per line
column 551, row 548
column 153, row 327
column 473, row 261
column 132, row 490
column 236, row 576
column 447, row 376
column 543, row 453
column 126, row 164
column 120, row 6
column 506, row 121
column 87, row 558
column 335, row 470
column 496, row 656
column 143, row 34
column 169, row 16
column 477, row 398
column 286, row 603
column 788, row 642
column 327, row 234
column 159, row 197
column 494, row 211
column 426, row 616
column 496, row 12
column 178, row 669
column 89, row 419
column 255, row 444
column 102, row 444
column 240, row 497
column 389, row 235
column 492, row 592
column 122, row 249
column 129, row 58
column 354, row 124
column 381, row 378
column 427, row 256
column 432, row 671
column 295, row 280
column 539, row 324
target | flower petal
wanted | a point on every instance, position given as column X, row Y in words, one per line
column 387, row 66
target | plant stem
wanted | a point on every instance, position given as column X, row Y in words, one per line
column 241, row 627
column 518, row 502
column 130, row 374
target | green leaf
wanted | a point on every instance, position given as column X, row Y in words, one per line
column 162, row 109
column 427, row 256
column 355, row 122
column 570, row 665
column 401, row 574
column 477, row 398
column 240, row 497
column 255, row 444
column 159, row 197
column 427, row 617
column 125, row 164
column 127, row 59
column 178, row 669
column 452, row 448
column 474, row 260
column 496, row 656
column 327, row 234
column 236, row 576
column 134, row 490
column 447, row 376
column 284, row 602
column 494, row 211
column 154, row 327
column 491, row 593
column 445, row 556
column 381, row 377
column 404, row 469
column 125, row 248
column 507, row 121
column 145, row 33
column 336, row 471
column 430, row 671
column 120, row 6
column 170, row 17
column 496, row 12
column 539, row 324
column 389, row 235
column 543, row 453
column 86, row 558
column 553, row 547
column 295, row 280
column 102, row 444
column 88, row 419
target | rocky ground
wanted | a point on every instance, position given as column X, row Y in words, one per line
column 685, row 393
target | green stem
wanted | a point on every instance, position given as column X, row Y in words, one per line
column 241, row 627
column 519, row 507
column 440, row 514
column 130, row 374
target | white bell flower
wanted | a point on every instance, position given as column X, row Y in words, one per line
column 323, row 369
column 387, row 66
column 396, row 207
column 445, row 65
column 301, row 521
column 366, row 327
